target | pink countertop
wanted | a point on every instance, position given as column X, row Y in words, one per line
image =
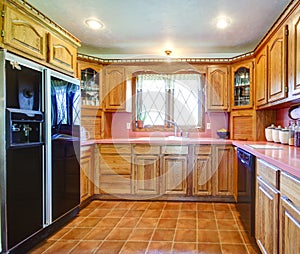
column 158, row 141
column 284, row 157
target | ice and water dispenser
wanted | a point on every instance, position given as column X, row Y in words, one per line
column 24, row 118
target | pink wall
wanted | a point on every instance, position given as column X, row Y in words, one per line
column 218, row 120
column 282, row 117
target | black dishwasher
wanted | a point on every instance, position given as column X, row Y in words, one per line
column 246, row 189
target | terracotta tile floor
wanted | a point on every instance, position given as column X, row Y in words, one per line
column 152, row 227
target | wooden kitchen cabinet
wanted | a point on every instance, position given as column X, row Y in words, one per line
column 62, row 54
column 115, row 88
column 24, row 34
column 261, row 77
column 242, row 85
column 89, row 73
column 202, row 173
column 266, row 207
column 174, row 171
column 27, row 32
column 114, row 175
column 223, row 170
column 289, row 214
column 87, row 160
column 277, row 65
column 294, row 54
column 217, row 88
column 146, row 169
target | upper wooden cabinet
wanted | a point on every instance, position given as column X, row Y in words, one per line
column 242, row 85
column 24, row 34
column 294, row 54
column 277, row 62
column 261, row 77
column 217, row 88
column 62, row 54
column 90, row 76
column 115, row 88
column 27, row 32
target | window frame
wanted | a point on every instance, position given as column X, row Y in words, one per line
column 168, row 127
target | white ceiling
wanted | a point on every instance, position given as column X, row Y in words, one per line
column 146, row 28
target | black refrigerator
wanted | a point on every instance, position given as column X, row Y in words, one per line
column 65, row 144
column 39, row 149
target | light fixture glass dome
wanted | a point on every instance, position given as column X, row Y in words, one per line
column 94, row 24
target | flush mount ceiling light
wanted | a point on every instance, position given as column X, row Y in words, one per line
column 94, row 24
column 222, row 22
column 168, row 52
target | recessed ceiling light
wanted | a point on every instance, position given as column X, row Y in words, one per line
column 94, row 24
column 223, row 22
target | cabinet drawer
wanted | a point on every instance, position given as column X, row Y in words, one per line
column 290, row 187
column 115, row 164
column 175, row 149
column 115, row 184
column 203, row 149
column 86, row 151
column 146, row 149
column 115, row 149
column 268, row 172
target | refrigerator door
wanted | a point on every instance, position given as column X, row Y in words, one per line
column 63, row 152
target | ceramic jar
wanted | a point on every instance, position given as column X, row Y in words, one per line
column 275, row 134
column 284, row 135
column 268, row 132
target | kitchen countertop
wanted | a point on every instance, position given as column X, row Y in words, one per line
column 159, row 141
column 284, row 157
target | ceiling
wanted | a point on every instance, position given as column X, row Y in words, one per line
column 146, row 28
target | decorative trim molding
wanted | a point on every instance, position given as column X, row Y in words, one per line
column 164, row 60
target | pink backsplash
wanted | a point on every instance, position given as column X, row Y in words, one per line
column 218, row 120
column 282, row 117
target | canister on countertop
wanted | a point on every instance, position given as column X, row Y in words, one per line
column 291, row 133
column 284, row 135
column 275, row 134
column 268, row 132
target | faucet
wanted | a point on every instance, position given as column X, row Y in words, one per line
column 175, row 126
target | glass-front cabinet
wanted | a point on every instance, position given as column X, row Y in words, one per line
column 90, row 79
column 242, row 86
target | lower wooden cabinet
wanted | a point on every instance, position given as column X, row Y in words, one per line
column 289, row 215
column 174, row 178
column 146, row 174
column 87, row 172
column 202, row 173
column 114, row 174
column 223, row 170
column 266, row 207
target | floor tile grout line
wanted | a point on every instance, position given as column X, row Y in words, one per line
column 219, row 235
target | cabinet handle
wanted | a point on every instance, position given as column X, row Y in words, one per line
column 290, row 204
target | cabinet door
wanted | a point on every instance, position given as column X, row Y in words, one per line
column 261, row 72
column 115, row 89
column 217, row 88
column 174, row 174
column 223, row 168
column 86, row 172
column 86, row 189
column 242, row 88
column 146, row 174
column 277, row 63
column 266, row 217
column 289, row 227
column 202, row 176
column 24, row 34
column 62, row 54
column 91, row 84
column 294, row 54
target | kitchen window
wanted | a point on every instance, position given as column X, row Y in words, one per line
column 161, row 99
